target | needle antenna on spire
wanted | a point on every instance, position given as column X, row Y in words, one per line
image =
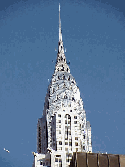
column 60, row 33
column 59, row 7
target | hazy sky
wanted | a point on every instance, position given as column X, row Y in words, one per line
column 94, row 36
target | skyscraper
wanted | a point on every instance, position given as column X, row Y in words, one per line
column 63, row 128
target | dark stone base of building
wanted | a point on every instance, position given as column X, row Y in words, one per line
column 80, row 159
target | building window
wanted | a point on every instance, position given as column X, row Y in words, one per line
column 59, row 115
column 66, row 138
column 70, row 110
column 59, row 132
column 47, row 104
column 73, row 99
column 66, row 149
column 65, row 97
column 66, row 143
column 60, row 164
column 70, row 154
column 70, row 143
column 75, row 117
column 59, row 121
column 41, row 163
column 63, row 76
column 83, row 147
column 60, row 142
column 76, row 138
column 67, row 160
column 60, row 160
column 58, row 155
column 63, row 69
column 46, row 163
column 76, row 144
column 75, row 122
column 64, row 85
column 59, row 126
column 84, row 136
column 56, row 159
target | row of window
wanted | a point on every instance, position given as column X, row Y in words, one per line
column 69, row 105
column 61, row 57
column 75, row 117
column 67, row 122
column 58, row 160
column 66, row 149
column 68, row 127
column 63, row 69
column 63, row 77
column 70, row 143
column 69, row 155
column 75, row 122
column 68, row 132
column 43, row 163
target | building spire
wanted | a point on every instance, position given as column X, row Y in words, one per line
column 61, row 64
column 60, row 33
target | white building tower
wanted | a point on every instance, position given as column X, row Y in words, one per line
column 63, row 128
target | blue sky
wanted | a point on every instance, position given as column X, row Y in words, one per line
column 94, row 36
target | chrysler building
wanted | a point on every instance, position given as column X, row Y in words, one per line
column 63, row 128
